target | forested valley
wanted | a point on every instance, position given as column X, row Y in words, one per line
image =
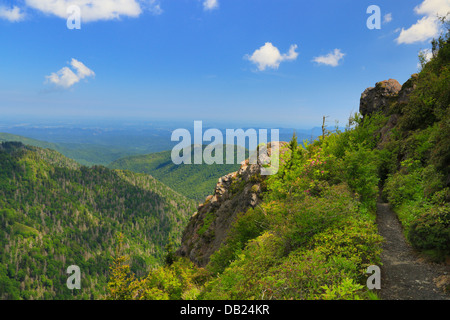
column 55, row 213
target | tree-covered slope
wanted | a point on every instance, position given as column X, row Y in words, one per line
column 195, row 181
column 416, row 154
column 84, row 153
column 4, row 137
column 55, row 213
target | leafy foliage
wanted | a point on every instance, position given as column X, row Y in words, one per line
column 312, row 237
column 55, row 213
column 314, row 234
column 417, row 183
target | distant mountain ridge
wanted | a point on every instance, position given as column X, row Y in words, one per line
column 193, row 181
column 85, row 154
column 102, row 146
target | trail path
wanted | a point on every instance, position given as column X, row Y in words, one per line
column 404, row 275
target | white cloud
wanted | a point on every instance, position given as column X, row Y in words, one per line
column 387, row 18
column 269, row 56
column 82, row 70
column 65, row 78
column 210, row 4
column 427, row 54
column 331, row 59
column 428, row 26
column 433, row 7
column 13, row 15
column 91, row 10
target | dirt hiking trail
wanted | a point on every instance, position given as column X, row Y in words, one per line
column 404, row 275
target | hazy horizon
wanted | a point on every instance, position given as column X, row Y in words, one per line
column 278, row 63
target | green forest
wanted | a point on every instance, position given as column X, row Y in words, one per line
column 85, row 154
column 194, row 181
column 55, row 213
column 315, row 233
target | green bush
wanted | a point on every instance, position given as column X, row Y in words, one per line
column 248, row 226
column 404, row 185
column 431, row 231
column 241, row 279
column 361, row 174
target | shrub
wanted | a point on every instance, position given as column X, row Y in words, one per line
column 431, row 231
column 346, row 290
column 248, row 226
column 241, row 279
column 361, row 174
column 404, row 185
column 296, row 222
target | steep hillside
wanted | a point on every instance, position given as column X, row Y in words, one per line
column 309, row 232
column 414, row 141
column 195, row 181
column 84, row 153
column 55, row 213
column 234, row 194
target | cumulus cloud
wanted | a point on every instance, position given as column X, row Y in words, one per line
column 13, row 15
column 82, row 70
column 268, row 56
column 433, row 7
column 66, row 77
column 424, row 29
column 428, row 26
column 94, row 10
column 331, row 59
column 91, row 10
column 210, row 4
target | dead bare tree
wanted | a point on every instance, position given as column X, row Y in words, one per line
column 324, row 127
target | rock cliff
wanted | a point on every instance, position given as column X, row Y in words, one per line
column 387, row 97
column 234, row 193
column 376, row 98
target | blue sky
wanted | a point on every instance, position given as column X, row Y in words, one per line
column 278, row 62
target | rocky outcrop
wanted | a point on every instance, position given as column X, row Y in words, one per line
column 380, row 97
column 234, row 193
column 407, row 88
column 386, row 131
column 389, row 97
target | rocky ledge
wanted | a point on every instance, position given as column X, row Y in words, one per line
column 234, row 193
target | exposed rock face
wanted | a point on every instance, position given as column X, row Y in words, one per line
column 234, row 193
column 407, row 88
column 388, row 96
column 378, row 98
column 386, row 131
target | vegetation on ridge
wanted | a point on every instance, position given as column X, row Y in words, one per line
column 314, row 234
